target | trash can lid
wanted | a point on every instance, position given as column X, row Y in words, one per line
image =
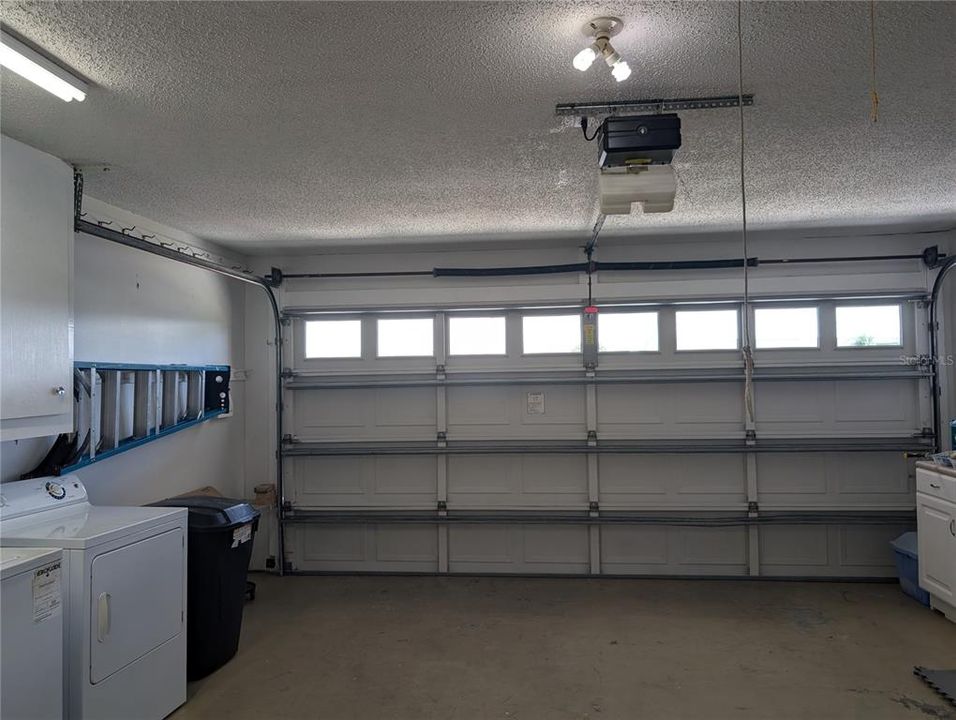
column 213, row 513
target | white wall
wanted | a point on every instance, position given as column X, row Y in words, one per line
column 133, row 307
column 657, row 285
column 259, row 449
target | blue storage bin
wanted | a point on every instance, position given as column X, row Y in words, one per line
column 906, row 548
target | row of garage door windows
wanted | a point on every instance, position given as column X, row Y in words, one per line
column 618, row 331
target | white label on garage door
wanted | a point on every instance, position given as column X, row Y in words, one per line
column 241, row 534
column 46, row 592
column 536, row 403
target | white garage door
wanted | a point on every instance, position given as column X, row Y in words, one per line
column 482, row 442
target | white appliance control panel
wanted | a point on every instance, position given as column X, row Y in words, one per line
column 30, row 496
column 56, row 490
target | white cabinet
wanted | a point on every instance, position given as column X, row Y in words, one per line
column 36, row 326
column 936, row 519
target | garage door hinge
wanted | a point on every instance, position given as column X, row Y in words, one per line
column 287, row 373
column 442, row 505
column 286, row 321
column 288, row 439
column 593, row 506
column 753, row 508
column 592, row 438
column 440, row 372
column 442, row 438
column 926, row 433
column 751, row 437
column 287, row 506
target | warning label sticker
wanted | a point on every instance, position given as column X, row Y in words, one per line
column 47, row 599
column 536, row 403
column 241, row 535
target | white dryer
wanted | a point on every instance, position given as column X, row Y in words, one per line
column 31, row 640
column 124, row 595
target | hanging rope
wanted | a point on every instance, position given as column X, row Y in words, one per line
column 589, row 253
column 595, row 231
column 747, row 347
column 874, row 95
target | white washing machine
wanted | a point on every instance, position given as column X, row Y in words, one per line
column 124, row 595
column 31, row 641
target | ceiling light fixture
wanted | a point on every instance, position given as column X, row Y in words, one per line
column 36, row 68
column 602, row 29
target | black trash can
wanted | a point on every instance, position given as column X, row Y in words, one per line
column 220, row 545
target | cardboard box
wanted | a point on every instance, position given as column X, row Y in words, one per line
column 264, row 495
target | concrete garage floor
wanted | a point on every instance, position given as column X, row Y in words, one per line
column 513, row 648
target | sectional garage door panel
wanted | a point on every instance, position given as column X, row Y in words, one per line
column 380, row 481
column 517, row 481
column 365, row 414
column 668, row 410
column 646, row 464
column 835, row 480
column 482, row 412
column 828, row 550
column 785, row 551
column 666, row 482
column 521, row 549
column 364, row 547
column 849, row 408
column 669, row 550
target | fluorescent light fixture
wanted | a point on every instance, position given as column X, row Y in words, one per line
column 582, row 61
column 621, row 70
column 30, row 64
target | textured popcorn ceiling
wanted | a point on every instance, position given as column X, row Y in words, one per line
column 270, row 126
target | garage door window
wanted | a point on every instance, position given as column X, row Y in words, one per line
column 786, row 328
column 551, row 334
column 476, row 336
column 869, row 326
column 627, row 332
column 406, row 337
column 707, row 330
column 333, row 339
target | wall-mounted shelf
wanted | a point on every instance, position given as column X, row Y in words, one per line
column 120, row 406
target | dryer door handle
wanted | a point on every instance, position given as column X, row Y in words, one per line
column 103, row 617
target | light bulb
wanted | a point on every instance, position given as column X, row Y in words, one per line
column 582, row 61
column 621, row 70
column 611, row 56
